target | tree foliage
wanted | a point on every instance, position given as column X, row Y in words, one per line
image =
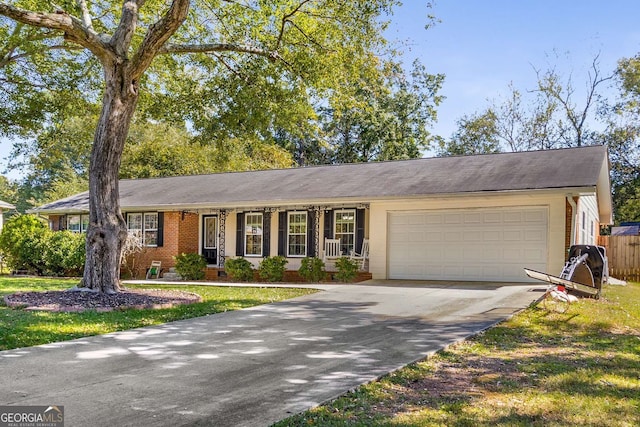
column 21, row 241
column 476, row 134
column 623, row 137
column 28, row 244
column 197, row 61
column 384, row 114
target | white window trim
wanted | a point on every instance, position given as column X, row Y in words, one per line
column 142, row 230
column 355, row 225
column 246, row 217
column 145, row 229
column 82, row 226
column 297, row 234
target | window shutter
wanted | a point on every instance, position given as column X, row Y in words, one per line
column 62, row 222
column 360, row 213
column 282, row 234
column 266, row 234
column 328, row 224
column 160, row 229
column 240, row 234
column 311, row 227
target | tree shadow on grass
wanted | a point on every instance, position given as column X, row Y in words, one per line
column 24, row 328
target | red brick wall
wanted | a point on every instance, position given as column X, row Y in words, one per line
column 180, row 236
column 569, row 216
column 54, row 221
column 188, row 233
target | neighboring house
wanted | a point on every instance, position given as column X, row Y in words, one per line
column 475, row 218
column 626, row 229
column 4, row 206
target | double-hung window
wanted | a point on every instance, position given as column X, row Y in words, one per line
column 77, row 223
column 145, row 226
column 345, row 229
column 297, row 234
column 253, row 234
column 151, row 229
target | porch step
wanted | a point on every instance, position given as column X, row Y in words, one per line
column 171, row 275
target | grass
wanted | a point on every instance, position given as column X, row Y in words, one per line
column 540, row 368
column 23, row 328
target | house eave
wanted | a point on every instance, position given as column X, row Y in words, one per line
column 319, row 202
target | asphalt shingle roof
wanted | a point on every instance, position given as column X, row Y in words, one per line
column 534, row 170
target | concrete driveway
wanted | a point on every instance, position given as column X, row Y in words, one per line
column 256, row 366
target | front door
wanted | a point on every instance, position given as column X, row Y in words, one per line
column 210, row 238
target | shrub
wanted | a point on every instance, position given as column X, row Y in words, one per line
column 347, row 269
column 21, row 241
column 312, row 269
column 64, row 253
column 191, row 266
column 272, row 268
column 239, row 269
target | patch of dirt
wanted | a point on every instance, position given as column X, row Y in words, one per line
column 473, row 378
column 73, row 300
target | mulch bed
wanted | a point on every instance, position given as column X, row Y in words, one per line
column 78, row 301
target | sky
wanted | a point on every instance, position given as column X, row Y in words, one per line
column 482, row 46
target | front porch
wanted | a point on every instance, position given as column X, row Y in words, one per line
column 255, row 234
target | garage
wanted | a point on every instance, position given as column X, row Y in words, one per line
column 467, row 244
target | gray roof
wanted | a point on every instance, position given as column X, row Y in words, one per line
column 625, row 230
column 534, row 170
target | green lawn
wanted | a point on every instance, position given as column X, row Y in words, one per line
column 22, row 328
column 580, row 368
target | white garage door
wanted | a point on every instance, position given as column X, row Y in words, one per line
column 476, row 245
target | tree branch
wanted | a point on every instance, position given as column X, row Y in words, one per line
column 307, row 36
column 158, row 35
column 121, row 39
column 8, row 59
column 218, row 47
column 228, row 66
column 73, row 29
column 285, row 19
column 86, row 16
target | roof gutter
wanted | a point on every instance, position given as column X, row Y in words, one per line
column 338, row 201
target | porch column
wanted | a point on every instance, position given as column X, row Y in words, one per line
column 316, row 230
column 221, row 237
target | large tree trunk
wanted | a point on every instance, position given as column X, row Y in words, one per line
column 107, row 231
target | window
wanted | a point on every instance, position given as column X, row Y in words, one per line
column 345, row 229
column 78, row 223
column 253, row 234
column 297, row 234
column 151, row 229
column 145, row 226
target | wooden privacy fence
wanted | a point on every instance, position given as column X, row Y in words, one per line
column 623, row 253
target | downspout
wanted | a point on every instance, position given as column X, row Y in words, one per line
column 574, row 215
